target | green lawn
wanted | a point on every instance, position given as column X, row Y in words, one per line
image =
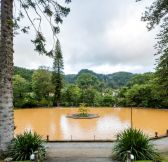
column 18, row 161
column 149, row 161
column 165, row 157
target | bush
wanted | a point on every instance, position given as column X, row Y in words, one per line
column 108, row 100
column 29, row 102
column 45, row 102
column 83, row 110
column 25, row 102
column 138, row 143
column 25, row 144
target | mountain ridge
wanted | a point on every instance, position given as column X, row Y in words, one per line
column 113, row 80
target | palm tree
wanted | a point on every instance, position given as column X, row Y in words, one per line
column 54, row 13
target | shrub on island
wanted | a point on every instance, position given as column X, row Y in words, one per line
column 83, row 113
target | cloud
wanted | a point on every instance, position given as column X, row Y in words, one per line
column 99, row 35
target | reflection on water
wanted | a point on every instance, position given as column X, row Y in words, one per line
column 53, row 122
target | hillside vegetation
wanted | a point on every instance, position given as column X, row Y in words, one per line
column 33, row 88
column 115, row 80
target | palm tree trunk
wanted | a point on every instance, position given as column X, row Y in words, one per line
column 6, row 70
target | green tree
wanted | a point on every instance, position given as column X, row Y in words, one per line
column 118, row 79
column 54, row 13
column 88, row 96
column 98, row 98
column 142, row 96
column 20, row 88
column 24, row 73
column 71, row 95
column 162, row 74
column 121, row 96
column 86, row 80
column 140, row 79
column 57, row 75
column 41, row 83
column 108, row 100
column 157, row 14
column 88, row 84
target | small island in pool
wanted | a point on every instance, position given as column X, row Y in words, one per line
column 83, row 113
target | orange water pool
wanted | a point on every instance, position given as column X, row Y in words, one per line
column 53, row 122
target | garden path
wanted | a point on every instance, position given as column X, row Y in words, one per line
column 89, row 151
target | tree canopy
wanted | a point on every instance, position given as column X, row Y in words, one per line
column 49, row 10
column 157, row 14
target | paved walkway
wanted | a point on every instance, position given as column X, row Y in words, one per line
column 79, row 152
column 79, row 159
column 161, row 144
column 89, row 151
column 79, row 149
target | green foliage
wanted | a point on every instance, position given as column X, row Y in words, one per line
column 87, row 96
column 142, row 93
column 71, row 95
column 52, row 12
column 119, row 79
column 41, row 83
column 114, row 80
column 121, row 97
column 162, row 74
column 138, row 143
column 86, row 80
column 157, row 14
column 88, row 84
column 70, row 78
column 20, row 86
column 141, row 96
column 142, row 90
column 83, row 110
column 24, row 73
column 140, row 79
column 26, row 102
column 108, row 100
column 45, row 102
column 57, row 74
column 25, row 144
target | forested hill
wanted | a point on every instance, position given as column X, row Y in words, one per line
column 114, row 80
column 23, row 72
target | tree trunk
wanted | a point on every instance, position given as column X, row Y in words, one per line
column 6, row 70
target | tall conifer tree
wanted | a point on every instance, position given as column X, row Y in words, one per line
column 57, row 76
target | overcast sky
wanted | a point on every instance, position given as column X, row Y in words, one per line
column 105, row 36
